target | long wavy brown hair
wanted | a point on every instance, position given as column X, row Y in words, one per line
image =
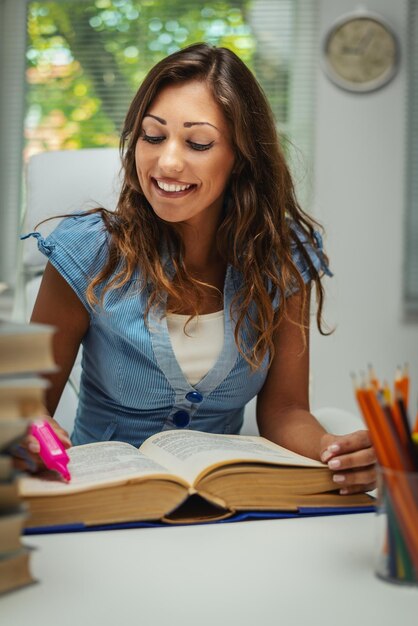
column 255, row 234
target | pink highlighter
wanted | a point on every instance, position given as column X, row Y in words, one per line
column 52, row 452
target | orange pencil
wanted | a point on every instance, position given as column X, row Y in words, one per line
column 373, row 380
column 402, row 383
column 364, row 399
column 415, row 429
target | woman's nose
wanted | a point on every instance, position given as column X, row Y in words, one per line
column 171, row 158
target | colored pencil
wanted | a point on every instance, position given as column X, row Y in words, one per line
column 390, row 432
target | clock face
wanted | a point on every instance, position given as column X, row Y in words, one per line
column 361, row 54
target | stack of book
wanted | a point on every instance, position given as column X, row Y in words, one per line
column 25, row 351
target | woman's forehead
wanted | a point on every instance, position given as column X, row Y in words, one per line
column 192, row 101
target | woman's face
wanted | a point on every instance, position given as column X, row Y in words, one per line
column 184, row 155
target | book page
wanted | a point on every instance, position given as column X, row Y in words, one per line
column 93, row 466
column 188, row 453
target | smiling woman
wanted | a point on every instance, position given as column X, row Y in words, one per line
column 193, row 297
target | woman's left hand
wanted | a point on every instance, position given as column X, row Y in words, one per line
column 352, row 460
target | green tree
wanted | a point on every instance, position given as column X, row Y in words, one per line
column 86, row 59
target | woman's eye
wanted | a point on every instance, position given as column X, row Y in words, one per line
column 200, row 146
column 151, row 139
column 156, row 139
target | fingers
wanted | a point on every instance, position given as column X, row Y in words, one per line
column 32, row 444
column 354, row 481
column 26, row 453
column 345, row 491
column 24, row 460
column 361, row 458
column 344, row 444
column 62, row 434
column 353, row 460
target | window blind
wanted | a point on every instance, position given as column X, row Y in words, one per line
column 12, row 66
column 86, row 58
column 411, row 229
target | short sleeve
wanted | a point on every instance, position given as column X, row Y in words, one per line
column 314, row 251
column 77, row 248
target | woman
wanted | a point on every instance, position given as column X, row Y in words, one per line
column 193, row 297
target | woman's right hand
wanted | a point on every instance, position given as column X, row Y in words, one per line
column 26, row 454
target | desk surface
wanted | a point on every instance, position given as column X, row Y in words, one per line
column 316, row 571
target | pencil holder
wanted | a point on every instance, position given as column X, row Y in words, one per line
column 397, row 526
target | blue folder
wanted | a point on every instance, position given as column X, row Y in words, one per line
column 242, row 516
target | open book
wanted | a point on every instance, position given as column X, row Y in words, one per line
column 180, row 476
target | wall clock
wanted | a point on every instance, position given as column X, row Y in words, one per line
column 361, row 52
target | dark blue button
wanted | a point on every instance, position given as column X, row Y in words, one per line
column 181, row 419
column 194, row 396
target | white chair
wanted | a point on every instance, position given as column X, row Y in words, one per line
column 334, row 420
column 58, row 183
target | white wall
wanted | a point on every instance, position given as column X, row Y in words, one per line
column 359, row 197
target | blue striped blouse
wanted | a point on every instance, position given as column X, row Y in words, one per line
column 131, row 384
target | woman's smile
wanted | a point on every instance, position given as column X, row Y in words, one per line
column 172, row 188
column 184, row 156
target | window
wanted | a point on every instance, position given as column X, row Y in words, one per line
column 86, row 58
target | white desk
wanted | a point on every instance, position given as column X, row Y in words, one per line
column 316, row 571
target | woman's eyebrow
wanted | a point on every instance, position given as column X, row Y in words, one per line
column 186, row 124
column 159, row 119
column 189, row 124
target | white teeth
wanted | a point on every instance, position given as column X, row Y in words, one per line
column 167, row 187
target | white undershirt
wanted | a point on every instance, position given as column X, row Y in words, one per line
column 198, row 350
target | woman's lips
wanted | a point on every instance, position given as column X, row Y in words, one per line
column 171, row 188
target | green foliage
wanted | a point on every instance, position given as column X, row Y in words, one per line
column 86, row 58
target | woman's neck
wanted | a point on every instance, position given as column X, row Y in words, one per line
column 204, row 263
column 201, row 251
